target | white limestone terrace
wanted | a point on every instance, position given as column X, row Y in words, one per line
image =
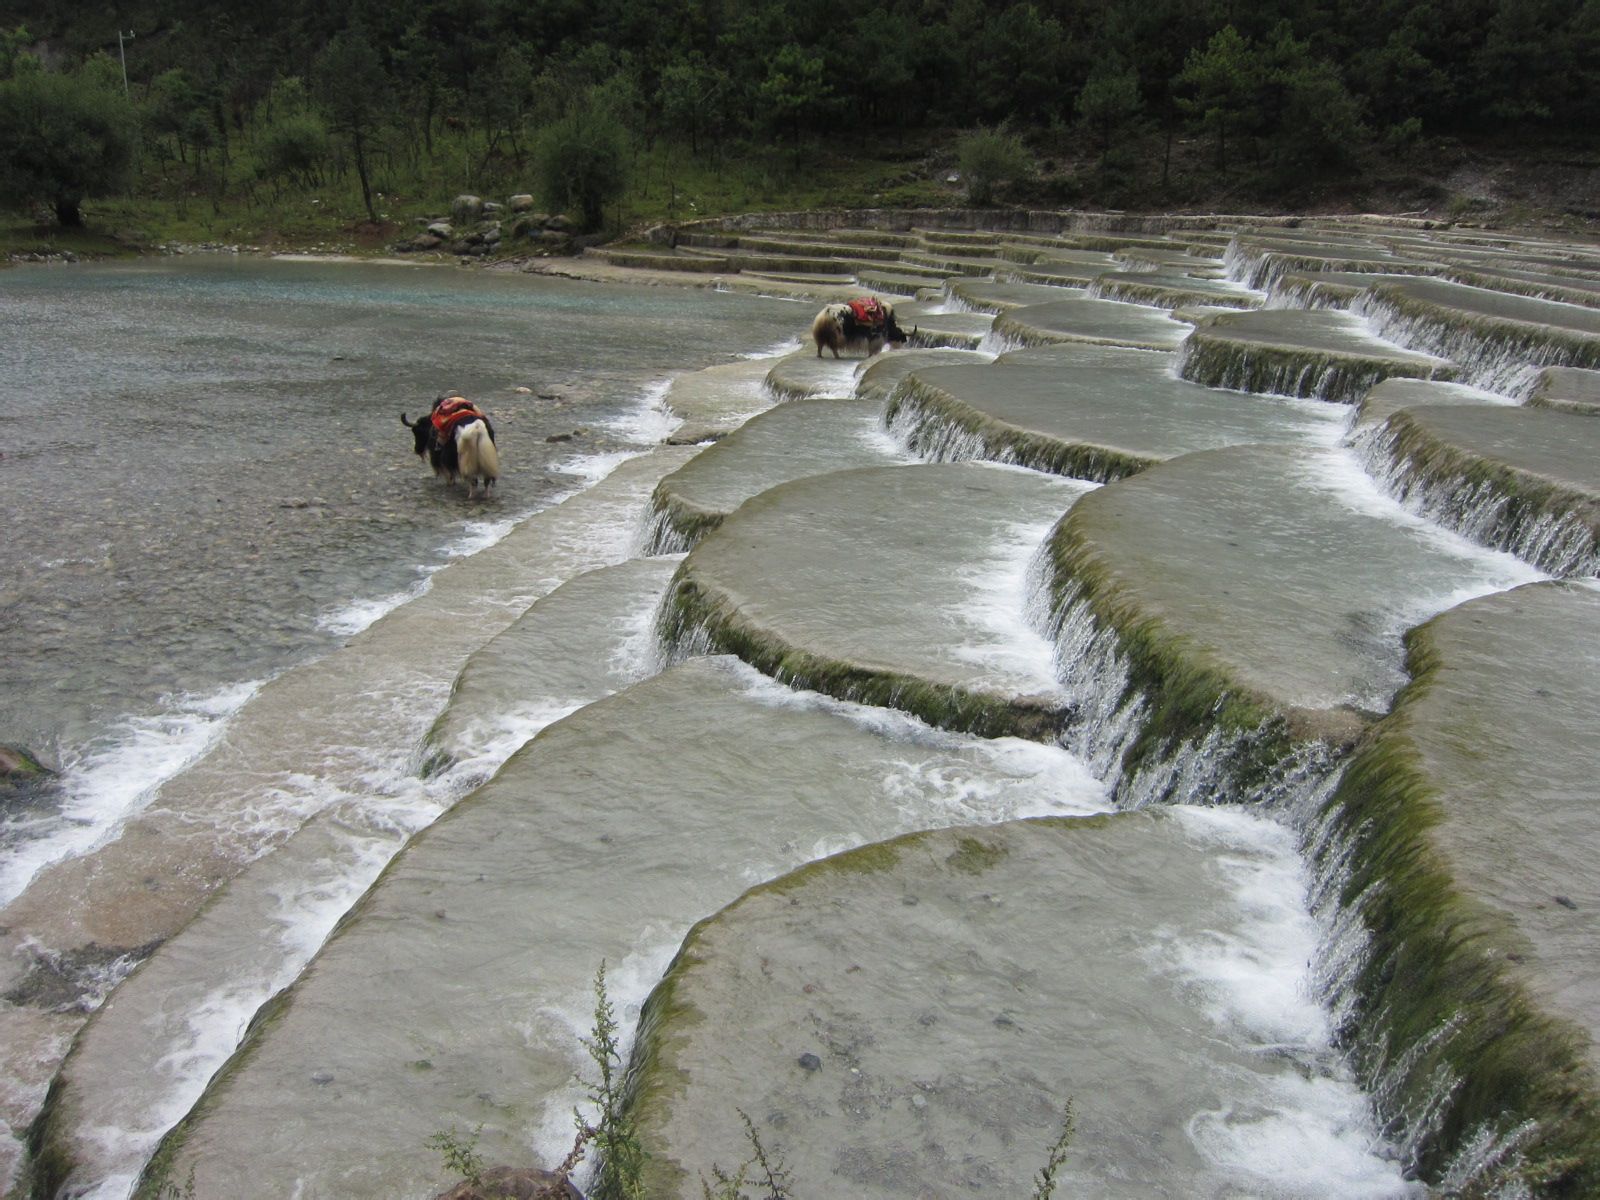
column 1477, row 799
column 1169, row 289
column 996, row 296
column 1321, row 572
column 717, row 400
column 1568, row 388
column 912, row 1018
column 796, row 439
column 1524, row 480
column 1325, row 353
column 463, row 980
column 1386, row 398
column 878, row 378
column 1091, row 421
column 1103, row 322
column 320, row 771
column 904, row 586
column 1496, row 338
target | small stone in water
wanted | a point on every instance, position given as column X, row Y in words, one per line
column 322, row 1077
column 1566, row 903
column 810, row 1062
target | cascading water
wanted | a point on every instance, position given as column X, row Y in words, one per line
column 1484, row 510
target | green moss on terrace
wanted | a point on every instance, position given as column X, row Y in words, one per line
column 1427, row 462
column 157, row 1181
column 1452, row 330
column 926, row 414
column 665, row 1015
column 665, row 1012
column 1188, row 693
column 1541, row 289
column 712, row 621
column 676, row 524
column 1164, row 293
column 1261, row 367
column 1439, row 991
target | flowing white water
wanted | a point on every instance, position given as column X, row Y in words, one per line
column 114, row 778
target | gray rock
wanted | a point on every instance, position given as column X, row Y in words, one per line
column 425, row 241
column 490, row 207
column 520, row 203
column 442, row 229
column 466, row 207
column 561, row 223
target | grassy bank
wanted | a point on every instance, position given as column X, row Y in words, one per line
column 213, row 203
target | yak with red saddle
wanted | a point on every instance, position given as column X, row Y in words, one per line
column 457, row 441
column 865, row 323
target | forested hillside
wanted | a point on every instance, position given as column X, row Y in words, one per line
column 249, row 103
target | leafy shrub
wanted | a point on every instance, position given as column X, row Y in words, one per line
column 581, row 164
column 989, row 158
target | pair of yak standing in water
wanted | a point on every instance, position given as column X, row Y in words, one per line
column 457, row 441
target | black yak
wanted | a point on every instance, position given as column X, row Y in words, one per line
column 457, row 440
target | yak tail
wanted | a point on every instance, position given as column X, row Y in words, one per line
column 476, row 454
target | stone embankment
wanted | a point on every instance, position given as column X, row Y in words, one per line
column 1183, row 708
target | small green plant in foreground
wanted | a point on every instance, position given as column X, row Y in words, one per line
column 460, row 1153
column 765, row 1171
column 615, row 1137
column 1045, row 1186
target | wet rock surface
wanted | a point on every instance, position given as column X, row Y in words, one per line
column 1217, row 627
column 960, row 988
column 839, row 582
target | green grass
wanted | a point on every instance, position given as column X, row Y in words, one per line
column 665, row 182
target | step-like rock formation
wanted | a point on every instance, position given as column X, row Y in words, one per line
column 1258, row 590
column 796, row 439
column 1324, row 353
column 1568, row 388
column 243, row 817
column 879, row 378
column 1468, row 833
column 462, row 981
column 1519, row 479
column 900, row 586
column 1103, row 322
column 1169, row 290
column 590, row 637
column 912, row 1017
column 1090, row 422
column 1494, row 336
column 718, row 400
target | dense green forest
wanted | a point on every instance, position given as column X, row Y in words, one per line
column 252, row 103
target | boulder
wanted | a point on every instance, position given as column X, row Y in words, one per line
column 490, row 208
column 441, row 229
column 22, row 776
column 514, row 1183
column 520, row 203
column 561, row 223
column 424, row 241
column 466, row 207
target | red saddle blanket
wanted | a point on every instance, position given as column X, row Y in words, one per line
column 868, row 311
column 451, row 414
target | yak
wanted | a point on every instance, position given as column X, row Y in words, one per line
column 456, row 440
column 865, row 323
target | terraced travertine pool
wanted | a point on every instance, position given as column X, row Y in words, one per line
column 1183, row 710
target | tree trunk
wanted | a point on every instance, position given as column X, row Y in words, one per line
column 361, row 170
